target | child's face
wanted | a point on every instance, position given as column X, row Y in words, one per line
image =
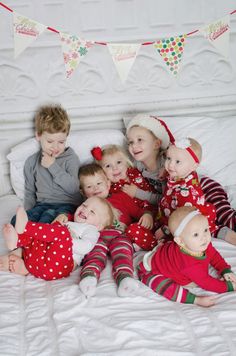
column 93, row 212
column 115, row 166
column 179, row 163
column 95, row 185
column 196, row 235
column 142, row 144
column 52, row 144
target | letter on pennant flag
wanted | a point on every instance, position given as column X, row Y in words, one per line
column 25, row 32
column 73, row 48
column 217, row 33
column 171, row 49
column 123, row 56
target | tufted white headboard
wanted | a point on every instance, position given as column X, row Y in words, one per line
column 94, row 95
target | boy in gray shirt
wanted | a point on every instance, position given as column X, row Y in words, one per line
column 51, row 174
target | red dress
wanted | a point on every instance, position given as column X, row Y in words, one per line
column 135, row 177
column 139, row 235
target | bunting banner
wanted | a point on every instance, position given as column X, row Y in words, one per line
column 123, row 56
column 217, row 34
column 73, row 48
column 25, row 32
column 171, row 50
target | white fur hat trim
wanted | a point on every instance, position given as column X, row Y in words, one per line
column 153, row 124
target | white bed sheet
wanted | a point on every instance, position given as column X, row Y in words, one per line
column 54, row 318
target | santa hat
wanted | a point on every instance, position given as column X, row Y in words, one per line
column 158, row 127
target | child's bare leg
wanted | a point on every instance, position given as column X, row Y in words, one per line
column 10, row 233
column 205, row 301
column 21, row 220
column 17, row 265
column 4, row 263
column 10, row 236
column 17, row 252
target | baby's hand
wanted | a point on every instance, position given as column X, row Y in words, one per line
column 47, row 160
column 205, row 301
column 162, row 174
column 61, row 218
column 146, row 221
column 130, row 189
column 159, row 234
column 230, row 277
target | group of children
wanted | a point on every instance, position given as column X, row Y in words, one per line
column 149, row 198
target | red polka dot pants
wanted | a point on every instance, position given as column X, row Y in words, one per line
column 141, row 236
column 47, row 250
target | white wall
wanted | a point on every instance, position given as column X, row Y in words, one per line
column 95, row 96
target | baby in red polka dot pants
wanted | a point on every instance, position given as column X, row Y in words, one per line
column 52, row 251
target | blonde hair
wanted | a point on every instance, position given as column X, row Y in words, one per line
column 110, row 150
column 52, row 119
column 112, row 214
column 177, row 216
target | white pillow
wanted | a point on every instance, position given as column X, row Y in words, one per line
column 81, row 141
column 217, row 137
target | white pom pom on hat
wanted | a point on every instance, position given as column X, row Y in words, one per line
column 156, row 126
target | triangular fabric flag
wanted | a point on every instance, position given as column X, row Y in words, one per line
column 171, row 49
column 123, row 55
column 25, row 32
column 217, row 33
column 73, row 48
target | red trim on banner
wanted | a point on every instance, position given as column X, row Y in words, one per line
column 105, row 43
column 52, row 29
column 6, row 7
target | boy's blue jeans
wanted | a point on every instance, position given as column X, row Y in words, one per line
column 46, row 212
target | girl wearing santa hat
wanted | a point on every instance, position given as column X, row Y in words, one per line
column 148, row 138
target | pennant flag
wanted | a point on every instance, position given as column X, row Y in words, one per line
column 123, row 56
column 25, row 32
column 73, row 48
column 217, row 33
column 171, row 50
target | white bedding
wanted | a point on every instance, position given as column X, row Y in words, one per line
column 54, row 318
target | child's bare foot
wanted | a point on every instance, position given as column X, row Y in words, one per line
column 10, row 236
column 4, row 263
column 21, row 220
column 17, row 265
column 206, row 301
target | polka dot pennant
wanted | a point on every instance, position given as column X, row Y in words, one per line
column 171, row 49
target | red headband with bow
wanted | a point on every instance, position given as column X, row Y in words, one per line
column 97, row 153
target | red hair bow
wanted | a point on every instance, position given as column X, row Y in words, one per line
column 97, row 153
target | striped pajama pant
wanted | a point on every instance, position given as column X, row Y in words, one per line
column 216, row 195
column 164, row 286
column 120, row 249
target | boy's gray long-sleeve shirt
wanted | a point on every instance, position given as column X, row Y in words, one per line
column 57, row 184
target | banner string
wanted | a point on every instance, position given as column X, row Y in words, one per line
column 105, row 43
